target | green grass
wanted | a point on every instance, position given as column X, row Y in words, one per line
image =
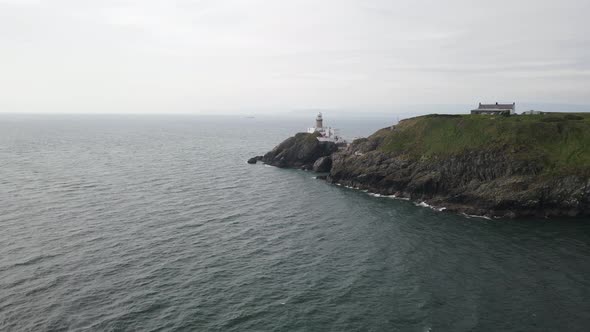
column 561, row 141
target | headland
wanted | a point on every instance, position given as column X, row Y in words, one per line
column 495, row 165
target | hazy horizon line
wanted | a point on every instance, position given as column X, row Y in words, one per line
column 458, row 108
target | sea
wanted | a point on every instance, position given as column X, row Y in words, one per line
column 157, row 223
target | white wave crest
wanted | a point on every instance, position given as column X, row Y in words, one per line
column 476, row 216
column 426, row 205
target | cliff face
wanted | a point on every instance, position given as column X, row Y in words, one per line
column 495, row 176
column 535, row 165
column 479, row 183
column 300, row 151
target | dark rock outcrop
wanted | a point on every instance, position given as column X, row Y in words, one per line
column 323, row 164
column 299, row 151
column 254, row 160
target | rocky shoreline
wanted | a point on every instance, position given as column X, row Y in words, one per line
column 301, row 151
column 470, row 185
column 494, row 182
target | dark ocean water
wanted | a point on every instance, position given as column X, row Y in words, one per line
column 155, row 223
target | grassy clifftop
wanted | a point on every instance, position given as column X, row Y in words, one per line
column 560, row 141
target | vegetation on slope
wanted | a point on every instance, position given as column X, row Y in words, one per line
column 561, row 142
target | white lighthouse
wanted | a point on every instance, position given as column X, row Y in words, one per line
column 327, row 134
column 319, row 122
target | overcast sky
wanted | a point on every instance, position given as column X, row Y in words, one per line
column 238, row 55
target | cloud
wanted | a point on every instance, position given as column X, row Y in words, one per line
column 230, row 54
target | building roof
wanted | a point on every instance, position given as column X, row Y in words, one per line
column 496, row 106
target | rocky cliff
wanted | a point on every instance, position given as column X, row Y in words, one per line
column 300, row 151
column 482, row 165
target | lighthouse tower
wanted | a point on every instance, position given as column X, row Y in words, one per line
column 319, row 122
column 326, row 134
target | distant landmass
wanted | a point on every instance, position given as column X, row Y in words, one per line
column 495, row 166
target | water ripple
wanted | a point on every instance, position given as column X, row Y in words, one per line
column 160, row 225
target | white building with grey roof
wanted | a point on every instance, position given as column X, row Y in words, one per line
column 495, row 109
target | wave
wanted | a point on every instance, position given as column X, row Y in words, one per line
column 426, row 205
column 377, row 195
column 396, row 197
column 475, row 216
column 34, row 260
